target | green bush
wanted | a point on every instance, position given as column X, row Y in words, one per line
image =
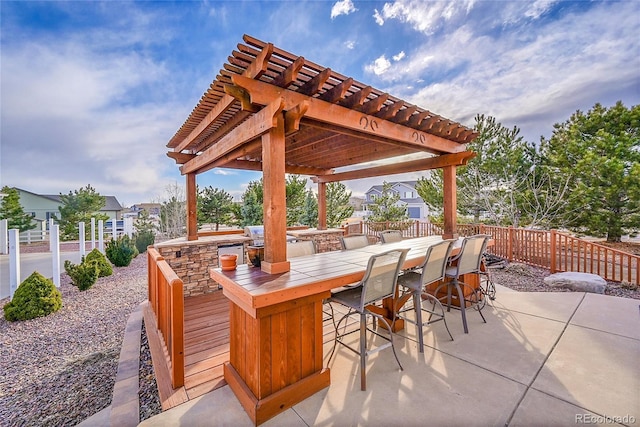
column 121, row 251
column 83, row 275
column 104, row 267
column 144, row 239
column 37, row 296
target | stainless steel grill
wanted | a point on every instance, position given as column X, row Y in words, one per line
column 256, row 232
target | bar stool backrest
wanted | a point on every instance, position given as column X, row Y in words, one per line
column 470, row 255
column 354, row 241
column 381, row 276
column 389, row 236
column 300, row 248
column 435, row 262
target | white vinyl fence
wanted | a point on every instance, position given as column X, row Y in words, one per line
column 10, row 241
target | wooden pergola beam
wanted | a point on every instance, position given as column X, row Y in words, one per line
column 257, row 125
column 263, row 93
column 457, row 159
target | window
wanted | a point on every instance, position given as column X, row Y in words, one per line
column 414, row 212
column 408, row 195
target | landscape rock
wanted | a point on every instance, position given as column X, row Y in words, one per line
column 579, row 282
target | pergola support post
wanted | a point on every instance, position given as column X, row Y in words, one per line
column 322, row 206
column 192, row 220
column 450, row 203
column 275, row 199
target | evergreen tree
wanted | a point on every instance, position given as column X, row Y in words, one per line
column 385, row 207
column 296, row 193
column 338, row 207
column 310, row 214
column 600, row 152
column 11, row 210
column 214, row 206
column 79, row 206
column 251, row 209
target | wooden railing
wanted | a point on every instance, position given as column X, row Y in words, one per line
column 167, row 302
column 549, row 249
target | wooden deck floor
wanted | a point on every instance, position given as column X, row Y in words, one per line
column 206, row 329
column 206, row 342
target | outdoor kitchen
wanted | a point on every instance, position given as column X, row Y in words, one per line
column 192, row 259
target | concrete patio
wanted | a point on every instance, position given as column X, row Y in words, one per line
column 541, row 359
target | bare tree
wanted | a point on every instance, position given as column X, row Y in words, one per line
column 173, row 212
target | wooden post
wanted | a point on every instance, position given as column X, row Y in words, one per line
column 275, row 200
column 510, row 244
column 192, row 220
column 322, row 206
column 450, row 203
column 552, row 249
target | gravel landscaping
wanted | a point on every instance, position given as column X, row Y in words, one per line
column 60, row 369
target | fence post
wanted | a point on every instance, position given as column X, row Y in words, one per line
column 81, row 239
column 128, row 226
column 510, row 244
column 50, row 228
column 552, row 249
column 4, row 237
column 14, row 261
column 101, row 236
column 55, row 256
column 93, row 233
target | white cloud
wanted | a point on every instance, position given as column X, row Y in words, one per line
column 538, row 8
column 399, row 56
column 527, row 78
column 378, row 17
column 225, row 172
column 350, row 44
column 68, row 114
column 379, row 66
column 342, row 7
column 423, row 16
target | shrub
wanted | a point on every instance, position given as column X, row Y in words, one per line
column 104, row 267
column 121, row 251
column 144, row 239
column 83, row 275
column 37, row 296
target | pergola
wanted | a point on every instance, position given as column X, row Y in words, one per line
column 271, row 111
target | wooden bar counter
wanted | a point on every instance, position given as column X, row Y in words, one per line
column 276, row 352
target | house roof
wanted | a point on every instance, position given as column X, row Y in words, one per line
column 379, row 188
column 331, row 121
column 111, row 203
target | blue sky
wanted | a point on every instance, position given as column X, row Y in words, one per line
column 91, row 92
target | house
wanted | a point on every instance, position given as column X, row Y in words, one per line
column 153, row 209
column 416, row 207
column 44, row 206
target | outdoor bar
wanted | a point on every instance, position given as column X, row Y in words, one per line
column 271, row 111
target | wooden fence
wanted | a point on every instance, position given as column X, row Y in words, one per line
column 167, row 302
column 542, row 248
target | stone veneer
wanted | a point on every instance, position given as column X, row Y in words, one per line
column 191, row 260
column 325, row 240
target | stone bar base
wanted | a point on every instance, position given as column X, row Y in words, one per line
column 192, row 259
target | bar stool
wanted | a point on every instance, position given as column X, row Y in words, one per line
column 390, row 236
column 467, row 261
column 413, row 284
column 354, row 241
column 379, row 282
